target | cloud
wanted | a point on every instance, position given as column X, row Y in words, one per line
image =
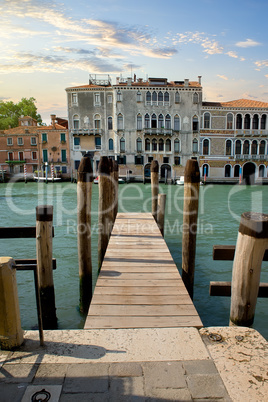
column 266, row 75
column 223, row 77
column 247, row 43
column 232, row 54
column 261, row 63
column 212, row 47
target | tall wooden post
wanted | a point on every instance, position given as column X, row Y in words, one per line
column 44, row 218
column 252, row 241
column 11, row 334
column 161, row 212
column 105, row 222
column 190, row 214
column 84, row 195
column 115, row 189
column 154, row 187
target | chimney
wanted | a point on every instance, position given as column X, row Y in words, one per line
column 186, row 82
column 199, row 79
column 129, row 81
column 117, row 80
column 53, row 120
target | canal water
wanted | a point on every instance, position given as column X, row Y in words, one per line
column 220, row 208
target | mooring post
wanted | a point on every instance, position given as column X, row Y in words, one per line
column 11, row 334
column 161, row 212
column 252, row 241
column 154, row 187
column 44, row 218
column 105, row 222
column 115, row 189
column 190, row 214
column 84, row 195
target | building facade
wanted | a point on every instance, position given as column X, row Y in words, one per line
column 29, row 148
column 135, row 121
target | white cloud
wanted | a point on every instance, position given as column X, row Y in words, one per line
column 248, row 43
column 232, row 54
column 261, row 63
column 223, row 77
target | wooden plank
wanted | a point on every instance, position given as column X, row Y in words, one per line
column 142, row 310
column 19, row 232
column 138, row 282
column 99, row 322
column 224, row 289
column 139, row 268
column 142, row 290
column 30, row 264
column 138, row 275
column 132, row 299
column 226, row 253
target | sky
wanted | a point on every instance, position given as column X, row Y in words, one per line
column 47, row 46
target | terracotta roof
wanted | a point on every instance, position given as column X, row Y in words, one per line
column 50, row 127
column 140, row 84
column 22, row 130
column 239, row 103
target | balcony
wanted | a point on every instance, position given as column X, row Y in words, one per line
column 251, row 157
column 15, row 162
column 86, row 131
column 251, row 133
column 158, row 131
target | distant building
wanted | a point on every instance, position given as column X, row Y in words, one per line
column 137, row 121
column 32, row 146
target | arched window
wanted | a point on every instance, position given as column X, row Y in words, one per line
column 247, row 122
column 168, row 122
column 160, row 121
column 239, row 122
column 261, row 170
column 236, row 170
column 168, row 145
column 160, row 98
column 195, row 146
column 119, row 96
column 111, row 144
column 139, row 145
column 122, row 145
column 206, row 120
column 228, row 147
column 154, row 121
column 139, row 98
column 195, row 123
column 110, row 123
column 195, row 98
column 147, row 145
column 177, row 145
column 97, row 122
column 246, row 147
column 205, row 170
column 263, row 122
column 120, row 122
column 154, row 98
column 206, row 147
column 139, row 122
column 76, row 121
column 148, row 97
column 227, row 171
column 161, row 145
column 176, row 123
column 238, row 147
column 254, row 147
column 154, row 145
column 147, row 121
column 177, row 97
column 230, row 119
column 255, row 122
column 166, row 97
column 262, row 147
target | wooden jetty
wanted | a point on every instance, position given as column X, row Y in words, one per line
column 139, row 285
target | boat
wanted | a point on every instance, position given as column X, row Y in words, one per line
column 180, row 181
column 36, row 178
column 120, row 181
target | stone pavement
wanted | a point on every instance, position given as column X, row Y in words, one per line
column 162, row 364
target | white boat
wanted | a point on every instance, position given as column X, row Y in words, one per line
column 120, row 181
column 180, row 181
column 36, row 178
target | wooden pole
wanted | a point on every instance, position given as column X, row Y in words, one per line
column 161, row 212
column 154, row 187
column 84, row 195
column 190, row 214
column 115, row 189
column 44, row 218
column 11, row 334
column 252, row 242
column 105, row 222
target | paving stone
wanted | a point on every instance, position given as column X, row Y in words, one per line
column 200, row 367
column 86, row 378
column 169, row 394
column 163, row 375
column 88, row 397
column 206, row 386
column 126, row 388
column 50, row 374
column 12, row 392
column 125, row 370
column 54, row 392
column 17, row 372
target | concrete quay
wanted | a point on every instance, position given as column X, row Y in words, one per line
column 159, row 364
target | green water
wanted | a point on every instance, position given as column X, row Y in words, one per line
column 220, row 208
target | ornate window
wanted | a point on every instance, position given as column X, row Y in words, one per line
column 119, row 96
column 139, row 122
column 139, row 145
column 168, row 122
column 206, row 120
column 147, row 121
column 263, row 122
column 139, row 98
column 97, row 121
column 160, row 121
column 154, row 145
column 154, row 121
column 247, row 122
column 154, row 98
column 110, row 123
column 160, row 98
column 246, row 147
column 262, row 147
column 168, row 145
column 176, row 123
column 76, row 121
column 177, row 145
column 254, row 147
column 148, row 97
column 120, row 122
column 147, row 145
column 111, row 144
column 206, row 147
column 238, row 147
column 122, row 145
column 255, row 122
column 227, row 172
column 166, row 97
column 230, row 119
column 228, row 147
column 239, row 122
column 161, row 145
column 177, row 97
column 195, row 146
